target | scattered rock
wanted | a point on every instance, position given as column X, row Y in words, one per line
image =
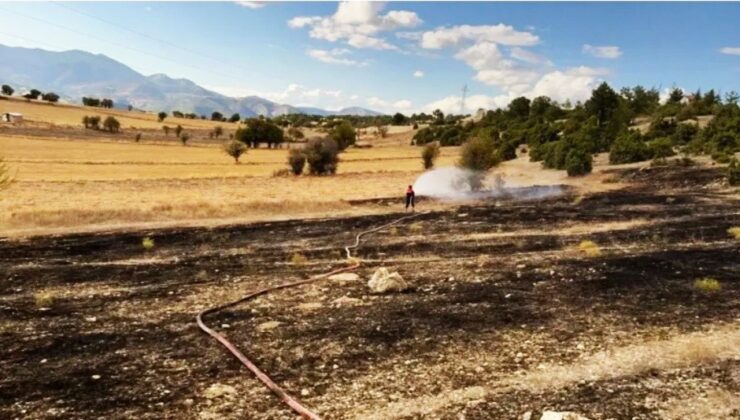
column 475, row 393
column 344, row 277
column 187, row 402
column 383, row 281
column 346, row 300
column 269, row 325
column 225, row 326
column 96, row 377
column 219, row 390
column 310, row 306
column 563, row 415
column 527, row 416
column 91, row 319
column 304, row 392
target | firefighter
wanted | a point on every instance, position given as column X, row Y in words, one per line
column 410, row 198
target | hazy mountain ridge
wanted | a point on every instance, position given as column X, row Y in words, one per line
column 74, row 74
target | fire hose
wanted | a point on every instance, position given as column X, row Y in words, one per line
column 262, row 376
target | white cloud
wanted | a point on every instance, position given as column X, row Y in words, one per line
column 451, row 104
column 573, row 84
column 418, row 74
column 354, row 97
column 529, row 57
column 357, row 23
column 335, row 56
column 402, row 104
column 252, row 4
column 378, row 104
column 730, row 50
column 606, row 51
column 495, row 69
column 455, row 35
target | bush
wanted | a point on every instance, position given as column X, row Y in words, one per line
column 50, row 97
column 161, row 116
column 138, row 137
column 343, row 134
column 733, row 172
column 322, row 156
column 661, row 148
column 477, row 154
column 147, row 243
column 297, row 161
column 260, row 130
column 578, row 162
column 429, row 154
column 707, row 285
column 734, row 232
column 554, row 154
column 111, row 124
column 235, row 149
column 184, row 137
column 589, row 248
column 628, row 148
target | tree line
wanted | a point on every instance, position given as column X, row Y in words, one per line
column 35, row 94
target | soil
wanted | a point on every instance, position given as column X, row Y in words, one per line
column 97, row 326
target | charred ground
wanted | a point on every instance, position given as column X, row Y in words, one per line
column 97, row 326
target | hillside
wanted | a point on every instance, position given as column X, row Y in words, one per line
column 74, row 74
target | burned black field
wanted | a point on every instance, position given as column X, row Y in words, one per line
column 573, row 303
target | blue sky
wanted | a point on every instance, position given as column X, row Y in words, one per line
column 399, row 55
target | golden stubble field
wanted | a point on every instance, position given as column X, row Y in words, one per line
column 74, row 184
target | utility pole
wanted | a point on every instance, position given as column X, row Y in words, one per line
column 462, row 102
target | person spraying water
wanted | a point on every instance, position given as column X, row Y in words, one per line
column 410, row 198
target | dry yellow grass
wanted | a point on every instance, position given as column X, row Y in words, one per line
column 74, row 184
column 71, row 115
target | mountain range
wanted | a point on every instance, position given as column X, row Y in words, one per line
column 74, row 74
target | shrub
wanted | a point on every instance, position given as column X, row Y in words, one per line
column 628, row 148
column 661, row 148
column 578, row 162
column 166, row 130
column 734, row 232
column 147, row 243
column 161, row 116
column 138, row 137
column 429, row 154
column 589, row 248
column 7, row 90
column 343, row 134
column 733, row 172
column 235, row 149
column 477, row 154
column 184, row 137
column 43, row 299
column 50, row 97
column 707, row 285
column 297, row 161
column 298, row 259
column 178, row 130
column 553, row 154
column 322, row 156
column 260, row 130
column 111, row 124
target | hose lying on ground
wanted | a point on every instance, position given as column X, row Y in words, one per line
column 262, row 376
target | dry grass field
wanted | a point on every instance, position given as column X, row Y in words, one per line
column 73, row 182
column 71, row 115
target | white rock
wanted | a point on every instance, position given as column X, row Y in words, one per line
column 527, row 416
column 344, row 277
column 96, row 377
column 304, row 392
column 346, row 300
column 269, row 325
column 91, row 319
column 383, row 281
column 219, row 390
column 562, row 415
column 225, row 326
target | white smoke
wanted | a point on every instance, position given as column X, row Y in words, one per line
column 453, row 183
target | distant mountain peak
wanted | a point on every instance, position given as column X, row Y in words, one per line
column 76, row 73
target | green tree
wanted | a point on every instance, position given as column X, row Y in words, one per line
column 519, row 108
column 297, row 161
column 34, row 94
column 235, row 149
column 578, row 162
column 111, row 124
column 178, row 130
column 7, row 90
column 477, row 155
column 429, row 154
column 217, row 116
column 161, row 116
column 235, row 118
column 603, row 103
column 439, row 116
column 399, row 119
column 322, row 156
column 343, row 134
column 676, row 96
column 50, row 97
column 260, row 130
column 217, row 131
column 629, row 147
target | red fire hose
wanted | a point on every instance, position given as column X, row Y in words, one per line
column 262, row 376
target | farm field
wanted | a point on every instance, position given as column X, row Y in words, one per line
column 585, row 303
